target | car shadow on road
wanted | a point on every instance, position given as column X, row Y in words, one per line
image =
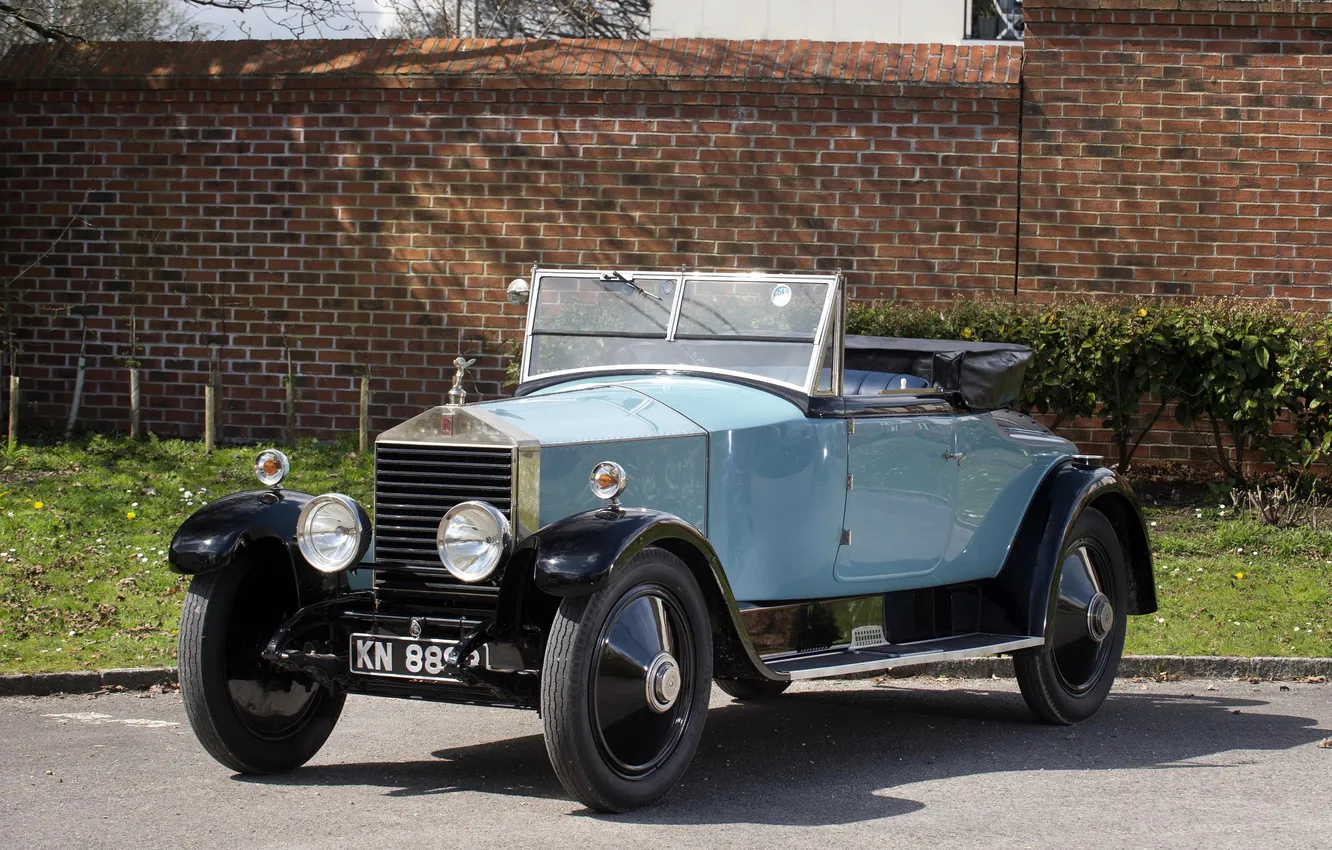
column 834, row 757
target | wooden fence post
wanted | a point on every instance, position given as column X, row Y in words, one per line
column 134, row 402
column 210, row 417
column 78, row 398
column 363, row 443
column 215, row 380
column 13, row 410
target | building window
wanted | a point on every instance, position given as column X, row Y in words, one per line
column 995, row 20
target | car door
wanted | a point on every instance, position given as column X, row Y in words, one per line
column 901, row 494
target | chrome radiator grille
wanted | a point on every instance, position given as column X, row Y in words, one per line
column 416, row 484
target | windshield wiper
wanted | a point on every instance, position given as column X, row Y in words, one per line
column 618, row 277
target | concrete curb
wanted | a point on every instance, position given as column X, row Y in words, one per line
column 1132, row 667
column 85, row 681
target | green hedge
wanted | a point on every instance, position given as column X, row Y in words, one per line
column 1252, row 376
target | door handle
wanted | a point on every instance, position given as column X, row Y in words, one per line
column 947, row 455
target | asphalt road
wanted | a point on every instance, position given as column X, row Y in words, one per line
column 892, row 763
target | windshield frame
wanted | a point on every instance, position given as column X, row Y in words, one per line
column 823, row 333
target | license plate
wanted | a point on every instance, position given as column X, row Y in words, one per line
column 402, row 657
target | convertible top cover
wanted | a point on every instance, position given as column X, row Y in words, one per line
column 988, row 375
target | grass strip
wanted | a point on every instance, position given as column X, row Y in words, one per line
column 85, row 526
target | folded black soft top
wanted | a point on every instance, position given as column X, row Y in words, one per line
column 988, row 375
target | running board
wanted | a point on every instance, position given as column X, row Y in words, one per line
column 841, row 662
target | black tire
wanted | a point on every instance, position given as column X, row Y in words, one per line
column 611, row 748
column 749, row 690
column 1068, row 679
column 248, row 715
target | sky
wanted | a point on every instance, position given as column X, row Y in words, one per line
column 366, row 18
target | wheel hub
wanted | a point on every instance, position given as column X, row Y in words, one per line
column 663, row 683
column 1100, row 617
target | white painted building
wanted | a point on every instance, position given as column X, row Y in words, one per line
column 906, row 21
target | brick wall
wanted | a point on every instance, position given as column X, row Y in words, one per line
column 374, row 198
column 1178, row 147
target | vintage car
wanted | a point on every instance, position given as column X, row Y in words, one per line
column 701, row 478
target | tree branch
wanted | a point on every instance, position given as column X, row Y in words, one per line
column 50, row 32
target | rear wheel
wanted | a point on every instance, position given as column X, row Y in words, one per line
column 248, row 715
column 1069, row 679
column 749, row 690
column 624, row 686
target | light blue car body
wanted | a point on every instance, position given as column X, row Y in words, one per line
column 796, row 506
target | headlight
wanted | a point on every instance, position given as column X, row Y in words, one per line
column 608, row 480
column 472, row 538
column 329, row 532
column 270, row 467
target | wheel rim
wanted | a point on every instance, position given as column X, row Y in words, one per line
column 1085, row 619
column 642, row 681
column 271, row 704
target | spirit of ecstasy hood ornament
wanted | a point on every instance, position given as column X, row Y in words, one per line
column 458, row 395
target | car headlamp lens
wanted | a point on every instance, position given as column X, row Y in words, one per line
column 329, row 532
column 608, row 480
column 472, row 539
column 270, row 467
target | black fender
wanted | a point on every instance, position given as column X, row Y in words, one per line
column 1029, row 581
column 578, row 555
column 213, row 536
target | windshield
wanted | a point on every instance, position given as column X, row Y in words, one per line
column 765, row 326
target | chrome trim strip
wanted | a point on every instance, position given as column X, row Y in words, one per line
column 499, row 447
column 527, row 326
column 515, row 534
column 839, row 342
column 673, row 323
column 527, row 492
column 910, row 659
column 821, row 337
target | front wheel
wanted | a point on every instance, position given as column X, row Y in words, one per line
column 625, row 684
column 250, row 716
column 1068, row 679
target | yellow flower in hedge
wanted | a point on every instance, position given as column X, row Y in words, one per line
column 37, row 506
column 129, row 515
column 1142, row 312
column 967, row 333
column 1239, row 576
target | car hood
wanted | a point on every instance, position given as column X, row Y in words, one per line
column 710, row 404
column 590, row 414
column 600, row 410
